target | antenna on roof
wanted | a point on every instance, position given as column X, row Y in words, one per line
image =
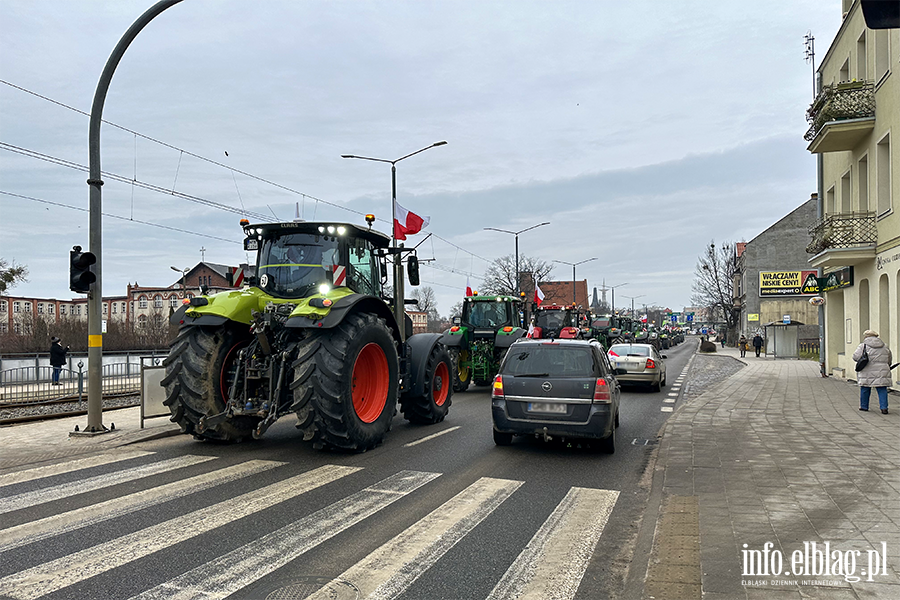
column 297, row 218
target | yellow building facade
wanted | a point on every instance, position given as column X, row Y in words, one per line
column 855, row 128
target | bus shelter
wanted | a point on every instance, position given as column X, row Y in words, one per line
column 783, row 339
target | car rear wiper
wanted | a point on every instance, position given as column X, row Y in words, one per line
column 534, row 375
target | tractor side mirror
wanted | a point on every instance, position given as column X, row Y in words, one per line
column 412, row 269
column 251, row 243
column 457, row 320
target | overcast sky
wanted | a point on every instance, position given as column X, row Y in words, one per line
column 641, row 130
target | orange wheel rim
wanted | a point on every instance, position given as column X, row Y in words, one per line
column 439, row 384
column 370, row 383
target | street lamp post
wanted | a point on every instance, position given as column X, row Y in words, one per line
column 399, row 291
column 516, row 233
column 613, row 288
column 183, row 274
column 633, row 298
column 573, row 265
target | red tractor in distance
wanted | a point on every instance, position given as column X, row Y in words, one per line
column 555, row 322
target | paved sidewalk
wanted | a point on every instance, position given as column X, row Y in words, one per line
column 776, row 454
column 26, row 443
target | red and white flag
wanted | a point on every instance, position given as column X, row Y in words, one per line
column 407, row 222
column 468, row 288
column 538, row 294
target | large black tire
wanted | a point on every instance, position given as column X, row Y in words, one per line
column 462, row 376
column 346, row 381
column 433, row 406
column 199, row 369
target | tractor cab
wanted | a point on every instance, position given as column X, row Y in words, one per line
column 485, row 315
column 555, row 321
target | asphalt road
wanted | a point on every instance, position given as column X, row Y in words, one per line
column 334, row 515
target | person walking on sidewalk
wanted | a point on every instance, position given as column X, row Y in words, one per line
column 57, row 358
column 877, row 372
column 742, row 344
column 757, row 343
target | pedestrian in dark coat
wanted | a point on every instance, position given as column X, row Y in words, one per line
column 877, row 373
column 742, row 344
column 757, row 343
column 57, row 357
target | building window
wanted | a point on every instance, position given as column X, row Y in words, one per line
column 846, row 205
column 157, row 301
column 78, row 309
column 62, row 309
column 17, row 307
column 17, row 328
column 844, row 74
column 173, row 301
column 28, row 307
column 142, row 302
column 142, row 320
column 105, row 308
column 51, row 309
column 862, row 67
column 883, row 182
column 123, row 308
column 3, row 306
column 829, row 201
column 40, row 308
column 3, row 328
column 862, row 183
column 882, row 47
column 115, row 307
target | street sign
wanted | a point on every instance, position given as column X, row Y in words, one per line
column 674, row 318
column 690, row 317
column 786, row 319
column 704, row 330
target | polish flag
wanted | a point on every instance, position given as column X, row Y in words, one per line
column 538, row 294
column 407, row 222
column 468, row 288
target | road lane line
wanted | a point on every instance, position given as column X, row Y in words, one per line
column 65, row 490
column 65, row 571
column 391, row 569
column 666, row 409
column 28, row 533
column 235, row 570
column 554, row 561
column 69, row 466
column 669, row 400
column 432, row 436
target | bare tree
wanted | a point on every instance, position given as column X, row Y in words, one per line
column 456, row 310
column 500, row 277
column 713, row 286
column 11, row 274
column 425, row 297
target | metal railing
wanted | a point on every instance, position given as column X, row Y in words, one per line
column 838, row 102
column 843, row 230
column 34, row 384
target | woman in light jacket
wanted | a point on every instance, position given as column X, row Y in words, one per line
column 876, row 374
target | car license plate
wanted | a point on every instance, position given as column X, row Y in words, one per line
column 546, row 407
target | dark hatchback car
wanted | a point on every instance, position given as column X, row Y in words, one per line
column 556, row 388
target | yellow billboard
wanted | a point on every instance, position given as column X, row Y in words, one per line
column 783, row 283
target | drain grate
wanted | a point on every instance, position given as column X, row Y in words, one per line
column 334, row 589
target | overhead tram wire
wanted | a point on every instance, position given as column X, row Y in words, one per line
column 213, row 162
column 112, row 216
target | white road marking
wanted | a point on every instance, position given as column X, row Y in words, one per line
column 673, row 394
column 57, row 574
column 237, row 569
column 669, row 400
column 432, row 436
column 64, row 490
column 666, row 409
column 392, row 568
column 554, row 561
column 69, row 466
column 28, row 533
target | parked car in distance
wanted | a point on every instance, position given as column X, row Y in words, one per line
column 639, row 363
column 556, row 389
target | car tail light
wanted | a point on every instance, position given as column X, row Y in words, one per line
column 601, row 392
column 651, row 364
column 497, row 390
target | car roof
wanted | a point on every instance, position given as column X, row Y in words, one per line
column 561, row 342
column 630, row 344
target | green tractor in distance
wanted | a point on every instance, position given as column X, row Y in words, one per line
column 480, row 338
column 610, row 329
column 309, row 334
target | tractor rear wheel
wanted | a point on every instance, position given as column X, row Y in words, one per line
column 461, row 375
column 433, row 406
column 345, row 384
column 200, row 369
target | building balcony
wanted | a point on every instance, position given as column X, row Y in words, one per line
column 843, row 239
column 841, row 116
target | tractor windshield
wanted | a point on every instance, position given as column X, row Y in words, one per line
column 487, row 314
column 294, row 265
column 552, row 320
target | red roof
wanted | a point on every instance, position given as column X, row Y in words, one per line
column 560, row 292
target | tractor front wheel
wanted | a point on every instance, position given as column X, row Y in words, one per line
column 433, row 406
column 200, row 369
column 345, row 384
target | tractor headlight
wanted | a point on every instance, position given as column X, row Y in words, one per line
column 324, row 288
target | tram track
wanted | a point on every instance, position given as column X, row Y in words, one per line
column 25, row 412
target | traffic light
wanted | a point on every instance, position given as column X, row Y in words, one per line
column 80, row 276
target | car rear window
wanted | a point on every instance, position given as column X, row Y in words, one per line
column 549, row 360
column 629, row 350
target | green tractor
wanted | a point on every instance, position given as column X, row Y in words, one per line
column 610, row 329
column 480, row 339
column 309, row 334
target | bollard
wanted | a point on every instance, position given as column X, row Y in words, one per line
column 80, row 381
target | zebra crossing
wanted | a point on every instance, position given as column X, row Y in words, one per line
column 551, row 565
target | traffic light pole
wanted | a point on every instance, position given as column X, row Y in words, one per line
column 95, row 295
